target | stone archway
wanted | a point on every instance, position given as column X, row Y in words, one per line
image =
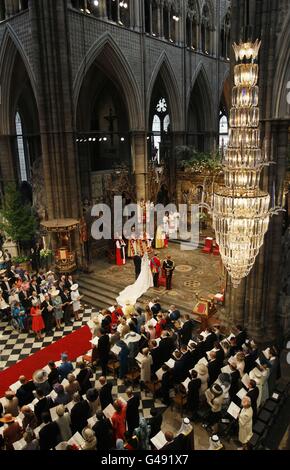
column 20, row 143
column 164, row 120
column 200, row 114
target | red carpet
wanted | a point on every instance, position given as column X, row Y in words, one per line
column 75, row 344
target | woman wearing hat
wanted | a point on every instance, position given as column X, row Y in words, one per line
column 11, row 403
column 57, row 307
column 63, row 421
column 29, row 419
column 214, row 397
column 90, row 439
column 76, row 297
column 12, row 433
column 92, row 396
column 37, row 321
column 202, row 374
column 40, row 380
column 62, row 397
column 31, row 441
column 245, row 421
column 145, row 365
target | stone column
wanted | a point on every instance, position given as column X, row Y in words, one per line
column 139, row 148
column 151, row 18
column 10, row 8
column 178, row 139
column 51, row 49
column 103, row 9
column 161, row 20
column 198, row 33
column 134, row 15
column 118, row 11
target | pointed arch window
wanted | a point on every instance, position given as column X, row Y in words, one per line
column 160, row 125
column 20, row 148
column 223, row 131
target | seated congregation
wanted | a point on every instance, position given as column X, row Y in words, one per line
column 218, row 379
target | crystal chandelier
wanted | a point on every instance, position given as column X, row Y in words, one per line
column 241, row 210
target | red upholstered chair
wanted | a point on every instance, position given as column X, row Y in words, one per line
column 216, row 250
column 207, row 245
column 162, row 279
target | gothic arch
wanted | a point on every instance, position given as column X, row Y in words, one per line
column 10, row 46
column 200, row 77
column 164, row 70
column 201, row 117
column 108, row 55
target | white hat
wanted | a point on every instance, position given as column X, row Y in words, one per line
column 39, row 376
column 88, row 434
column 74, row 287
column 256, row 375
column 132, row 337
column 201, row 369
column 215, row 438
column 54, row 293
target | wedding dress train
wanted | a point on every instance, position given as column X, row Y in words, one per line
column 140, row 286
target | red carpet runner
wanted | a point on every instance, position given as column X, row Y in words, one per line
column 75, row 344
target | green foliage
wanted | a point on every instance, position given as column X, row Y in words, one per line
column 17, row 219
column 188, row 159
column 20, row 259
column 45, row 253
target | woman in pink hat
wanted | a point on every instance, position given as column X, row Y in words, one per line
column 37, row 321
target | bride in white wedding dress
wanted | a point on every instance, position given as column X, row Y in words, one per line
column 140, row 286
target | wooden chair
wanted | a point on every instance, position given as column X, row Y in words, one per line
column 113, row 367
column 162, row 279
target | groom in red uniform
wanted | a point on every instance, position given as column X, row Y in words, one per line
column 155, row 265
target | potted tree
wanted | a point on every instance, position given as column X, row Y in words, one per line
column 18, row 222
